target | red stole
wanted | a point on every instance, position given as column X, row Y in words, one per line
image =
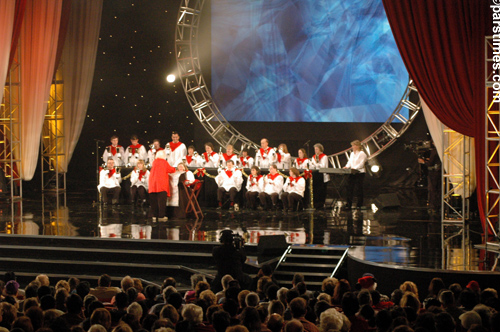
column 205, row 154
column 292, row 180
column 272, row 177
column 279, row 157
column 318, row 158
column 252, row 183
column 111, row 173
column 113, row 149
column 226, row 156
column 262, row 151
column 141, row 174
column 229, row 173
column 300, row 160
column 189, row 159
column 243, row 160
column 174, row 146
column 135, row 147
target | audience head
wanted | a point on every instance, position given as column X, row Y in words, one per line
column 220, row 320
column 43, row 280
column 435, row 286
column 470, row 318
column 192, row 314
column 275, row 323
column 250, row 318
column 331, row 320
column 102, row 317
column 74, row 304
column 298, row 307
column 294, row 326
column 170, row 312
column 252, row 299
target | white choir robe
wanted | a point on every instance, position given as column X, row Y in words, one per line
column 246, row 162
column 234, row 158
column 226, row 182
column 264, row 160
column 322, row 163
column 273, row 186
column 286, row 160
column 254, row 185
column 133, row 158
column 357, row 161
column 210, row 160
column 174, row 157
column 109, row 182
column 173, row 200
column 119, row 157
column 143, row 182
column 297, row 187
column 304, row 165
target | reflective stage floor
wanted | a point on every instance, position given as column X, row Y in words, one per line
column 406, row 236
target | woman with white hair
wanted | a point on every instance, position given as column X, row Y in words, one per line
column 159, row 186
column 193, row 319
column 333, row 321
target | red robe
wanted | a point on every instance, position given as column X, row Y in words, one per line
column 158, row 176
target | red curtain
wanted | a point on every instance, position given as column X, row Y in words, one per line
column 442, row 45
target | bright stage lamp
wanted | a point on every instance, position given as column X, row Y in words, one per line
column 170, row 78
column 375, row 168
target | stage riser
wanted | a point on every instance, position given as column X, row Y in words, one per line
column 148, row 259
column 178, row 258
column 390, row 277
column 114, row 243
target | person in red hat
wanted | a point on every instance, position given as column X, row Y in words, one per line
column 474, row 286
column 367, row 281
column 159, row 186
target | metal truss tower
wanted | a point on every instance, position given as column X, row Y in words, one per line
column 491, row 230
column 456, row 189
column 10, row 133
column 52, row 148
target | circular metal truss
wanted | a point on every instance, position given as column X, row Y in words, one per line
column 207, row 112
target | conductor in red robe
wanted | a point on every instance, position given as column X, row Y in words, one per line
column 159, row 186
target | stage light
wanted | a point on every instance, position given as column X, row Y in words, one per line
column 373, row 167
column 171, row 78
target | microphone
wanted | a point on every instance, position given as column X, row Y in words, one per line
column 98, row 140
column 307, row 143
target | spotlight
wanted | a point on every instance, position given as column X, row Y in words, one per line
column 373, row 167
column 171, row 78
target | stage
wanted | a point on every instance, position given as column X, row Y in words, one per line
column 405, row 239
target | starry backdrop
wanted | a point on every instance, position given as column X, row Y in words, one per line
column 130, row 94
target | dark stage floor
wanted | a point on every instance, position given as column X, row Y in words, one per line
column 407, row 235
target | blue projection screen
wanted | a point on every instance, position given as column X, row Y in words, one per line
column 305, row 61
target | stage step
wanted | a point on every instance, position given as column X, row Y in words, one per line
column 148, row 259
column 315, row 262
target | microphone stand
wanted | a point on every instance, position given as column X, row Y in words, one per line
column 97, row 163
column 307, row 144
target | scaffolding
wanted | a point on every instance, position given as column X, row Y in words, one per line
column 10, row 134
column 52, row 148
column 456, row 190
column 491, row 192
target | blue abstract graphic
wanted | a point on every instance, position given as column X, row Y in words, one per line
column 305, row 61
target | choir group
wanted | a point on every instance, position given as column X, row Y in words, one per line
column 266, row 190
